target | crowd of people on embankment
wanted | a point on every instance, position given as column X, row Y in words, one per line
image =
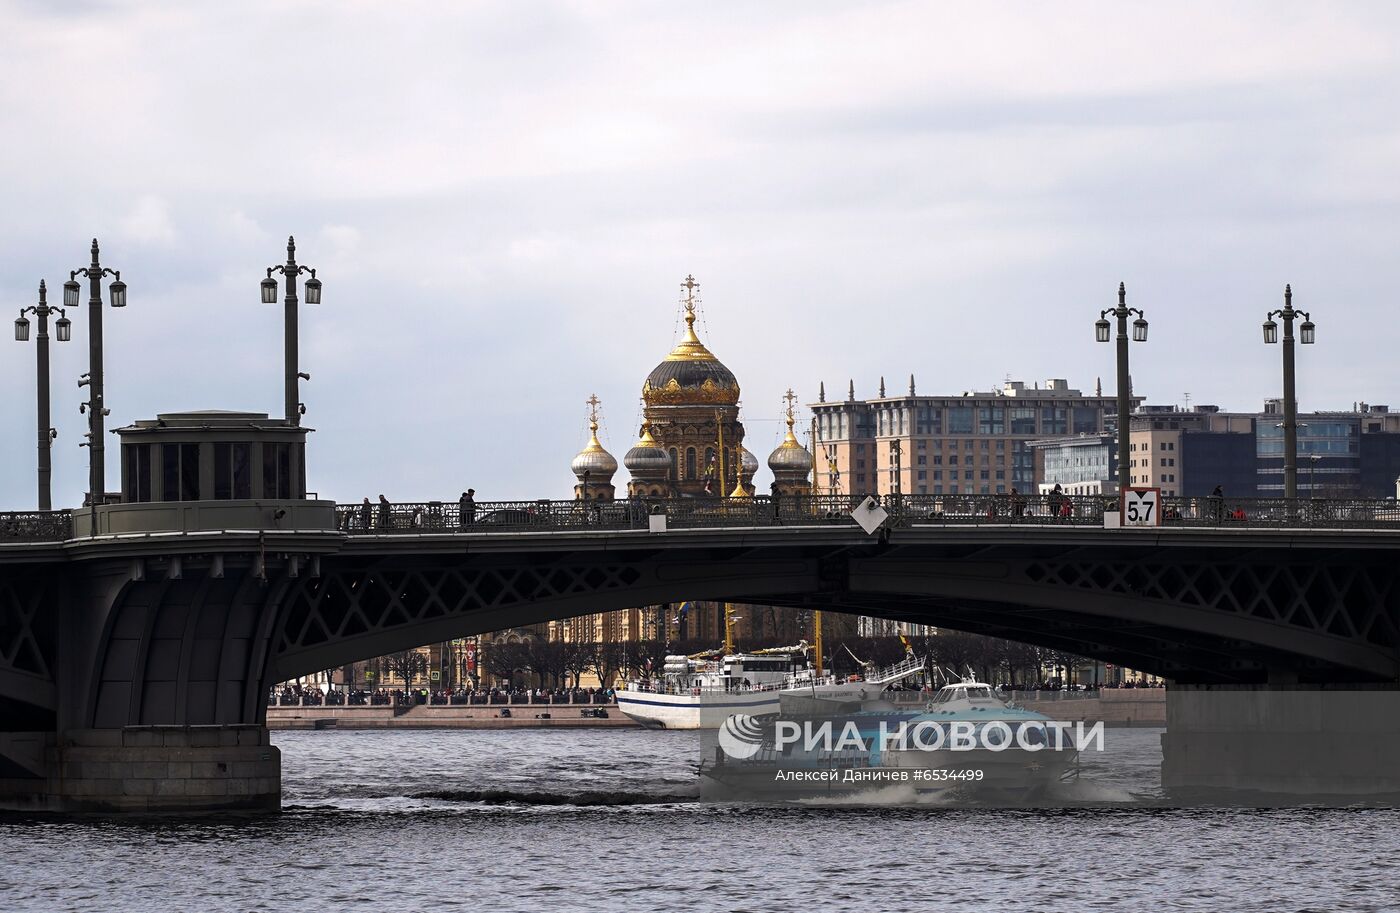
column 296, row 696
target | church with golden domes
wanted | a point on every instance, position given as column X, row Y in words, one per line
column 691, row 443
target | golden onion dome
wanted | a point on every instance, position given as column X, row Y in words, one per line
column 748, row 463
column 593, row 459
column 790, row 458
column 647, row 458
column 691, row 374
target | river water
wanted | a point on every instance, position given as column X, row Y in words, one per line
column 603, row 820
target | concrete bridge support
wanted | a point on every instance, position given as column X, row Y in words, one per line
column 156, row 769
column 1270, row 743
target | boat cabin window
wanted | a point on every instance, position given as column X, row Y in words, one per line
column 960, row 692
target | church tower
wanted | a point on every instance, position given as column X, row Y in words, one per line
column 649, row 466
column 594, row 467
column 790, row 461
column 691, row 406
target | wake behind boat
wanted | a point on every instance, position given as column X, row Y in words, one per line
column 966, row 742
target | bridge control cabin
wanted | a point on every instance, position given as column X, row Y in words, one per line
column 210, row 470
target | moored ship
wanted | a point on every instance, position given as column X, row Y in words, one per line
column 699, row 693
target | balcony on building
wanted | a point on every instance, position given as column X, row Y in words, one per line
column 207, row 471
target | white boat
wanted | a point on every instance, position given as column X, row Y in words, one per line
column 805, row 686
column 702, row 694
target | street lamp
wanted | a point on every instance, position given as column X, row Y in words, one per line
column 1308, row 335
column 64, row 328
column 290, row 270
column 96, row 406
column 1101, row 328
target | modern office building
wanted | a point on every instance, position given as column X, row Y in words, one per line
column 1340, row 454
column 967, row 443
column 1084, row 464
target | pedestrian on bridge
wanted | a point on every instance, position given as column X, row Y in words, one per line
column 466, row 508
column 776, row 498
column 365, row 513
column 1018, row 504
column 383, row 512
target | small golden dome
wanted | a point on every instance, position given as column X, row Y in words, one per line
column 647, row 458
column 593, row 459
column 790, row 458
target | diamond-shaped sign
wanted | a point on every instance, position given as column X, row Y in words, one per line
column 870, row 515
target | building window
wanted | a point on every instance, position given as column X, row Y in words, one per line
column 923, row 474
column 138, row 472
column 179, row 472
column 675, row 464
column 233, row 477
column 277, row 471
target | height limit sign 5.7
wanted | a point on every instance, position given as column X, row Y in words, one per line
column 1142, row 507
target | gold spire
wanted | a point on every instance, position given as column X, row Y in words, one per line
column 593, row 403
column 790, row 439
column 690, row 348
column 739, row 490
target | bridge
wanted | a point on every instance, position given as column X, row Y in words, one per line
column 137, row 640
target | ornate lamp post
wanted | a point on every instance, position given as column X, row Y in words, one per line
column 1308, row 334
column 64, row 328
column 290, row 271
column 96, row 406
column 1101, row 328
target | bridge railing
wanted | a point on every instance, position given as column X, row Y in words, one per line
column 36, row 526
column 824, row 510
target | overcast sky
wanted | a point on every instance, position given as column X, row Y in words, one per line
column 502, row 199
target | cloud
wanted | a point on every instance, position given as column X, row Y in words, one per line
column 517, row 189
column 149, row 222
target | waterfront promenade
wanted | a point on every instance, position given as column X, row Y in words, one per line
column 447, row 716
column 1115, row 707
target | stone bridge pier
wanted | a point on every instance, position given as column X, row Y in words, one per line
column 131, row 685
